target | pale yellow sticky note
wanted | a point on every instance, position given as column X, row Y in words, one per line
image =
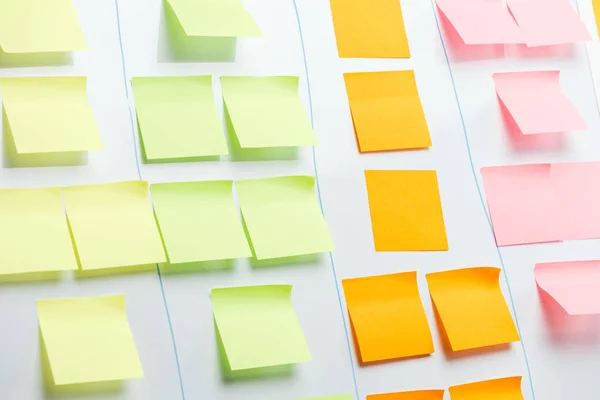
column 113, row 226
column 49, row 115
column 39, row 26
column 34, row 232
column 88, row 340
column 495, row 389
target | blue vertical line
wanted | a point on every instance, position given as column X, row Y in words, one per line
column 139, row 173
column 314, row 158
column 466, row 137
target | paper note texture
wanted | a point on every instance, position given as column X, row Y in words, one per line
column 495, row 389
column 412, row 395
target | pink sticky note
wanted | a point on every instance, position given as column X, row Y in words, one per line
column 575, row 285
column 548, row 22
column 481, row 21
column 522, row 204
column 536, row 102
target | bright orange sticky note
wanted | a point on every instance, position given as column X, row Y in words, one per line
column 471, row 307
column 386, row 111
column 387, row 316
column 406, row 211
column 596, row 5
column 413, row 395
column 495, row 389
column 369, row 29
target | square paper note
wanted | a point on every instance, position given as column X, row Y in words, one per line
column 495, row 389
column 412, row 395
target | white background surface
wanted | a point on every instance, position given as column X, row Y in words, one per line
column 125, row 38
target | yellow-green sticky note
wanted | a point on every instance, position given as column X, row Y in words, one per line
column 266, row 111
column 49, row 115
column 223, row 18
column 258, row 327
column 283, row 217
column 88, row 340
column 34, row 232
column 113, row 225
column 177, row 118
column 39, row 26
column 198, row 221
column 332, row 397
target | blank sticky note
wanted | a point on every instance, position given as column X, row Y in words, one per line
column 258, row 327
column 481, row 22
column 387, row 316
column 223, row 18
column 39, row 26
column 198, row 221
column 177, row 118
column 112, row 225
column 369, row 29
column 412, row 395
column 495, row 389
column 596, row 5
column 548, row 22
column 406, row 211
column 283, row 217
column 34, row 232
column 332, row 397
column 471, row 308
column 386, row 111
column 49, row 114
column 574, row 285
column 266, row 111
column 88, row 340
column 536, row 102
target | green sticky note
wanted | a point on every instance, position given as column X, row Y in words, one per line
column 39, row 26
column 332, row 397
column 198, row 221
column 177, row 118
column 283, row 217
column 223, row 18
column 258, row 327
column 266, row 111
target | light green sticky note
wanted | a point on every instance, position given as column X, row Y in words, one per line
column 223, row 18
column 39, row 26
column 177, row 118
column 332, row 397
column 266, row 111
column 283, row 217
column 258, row 327
column 198, row 221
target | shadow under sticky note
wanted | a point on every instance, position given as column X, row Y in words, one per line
column 412, row 395
column 471, row 308
column 386, row 111
column 257, row 331
column 392, row 304
column 406, row 210
column 495, row 389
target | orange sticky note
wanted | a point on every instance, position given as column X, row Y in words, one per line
column 412, row 395
column 495, row 389
column 471, row 307
column 406, row 211
column 369, row 29
column 387, row 317
column 386, row 111
column 596, row 5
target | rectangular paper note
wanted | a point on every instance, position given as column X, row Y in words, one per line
column 386, row 111
column 177, row 118
column 283, row 217
column 112, row 225
column 266, row 111
column 39, row 26
column 49, row 114
column 223, row 18
column 481, row 22
column 471, row 308
column 574, row 285
column 258, row 327
column 393, row 305
column 34, row 232
column 412, row 395
column 495, row 389
column 88, row 340
column 406, row 211
column 198, row 221
column 369, row 29
column 548, row 22
column 536, row 102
